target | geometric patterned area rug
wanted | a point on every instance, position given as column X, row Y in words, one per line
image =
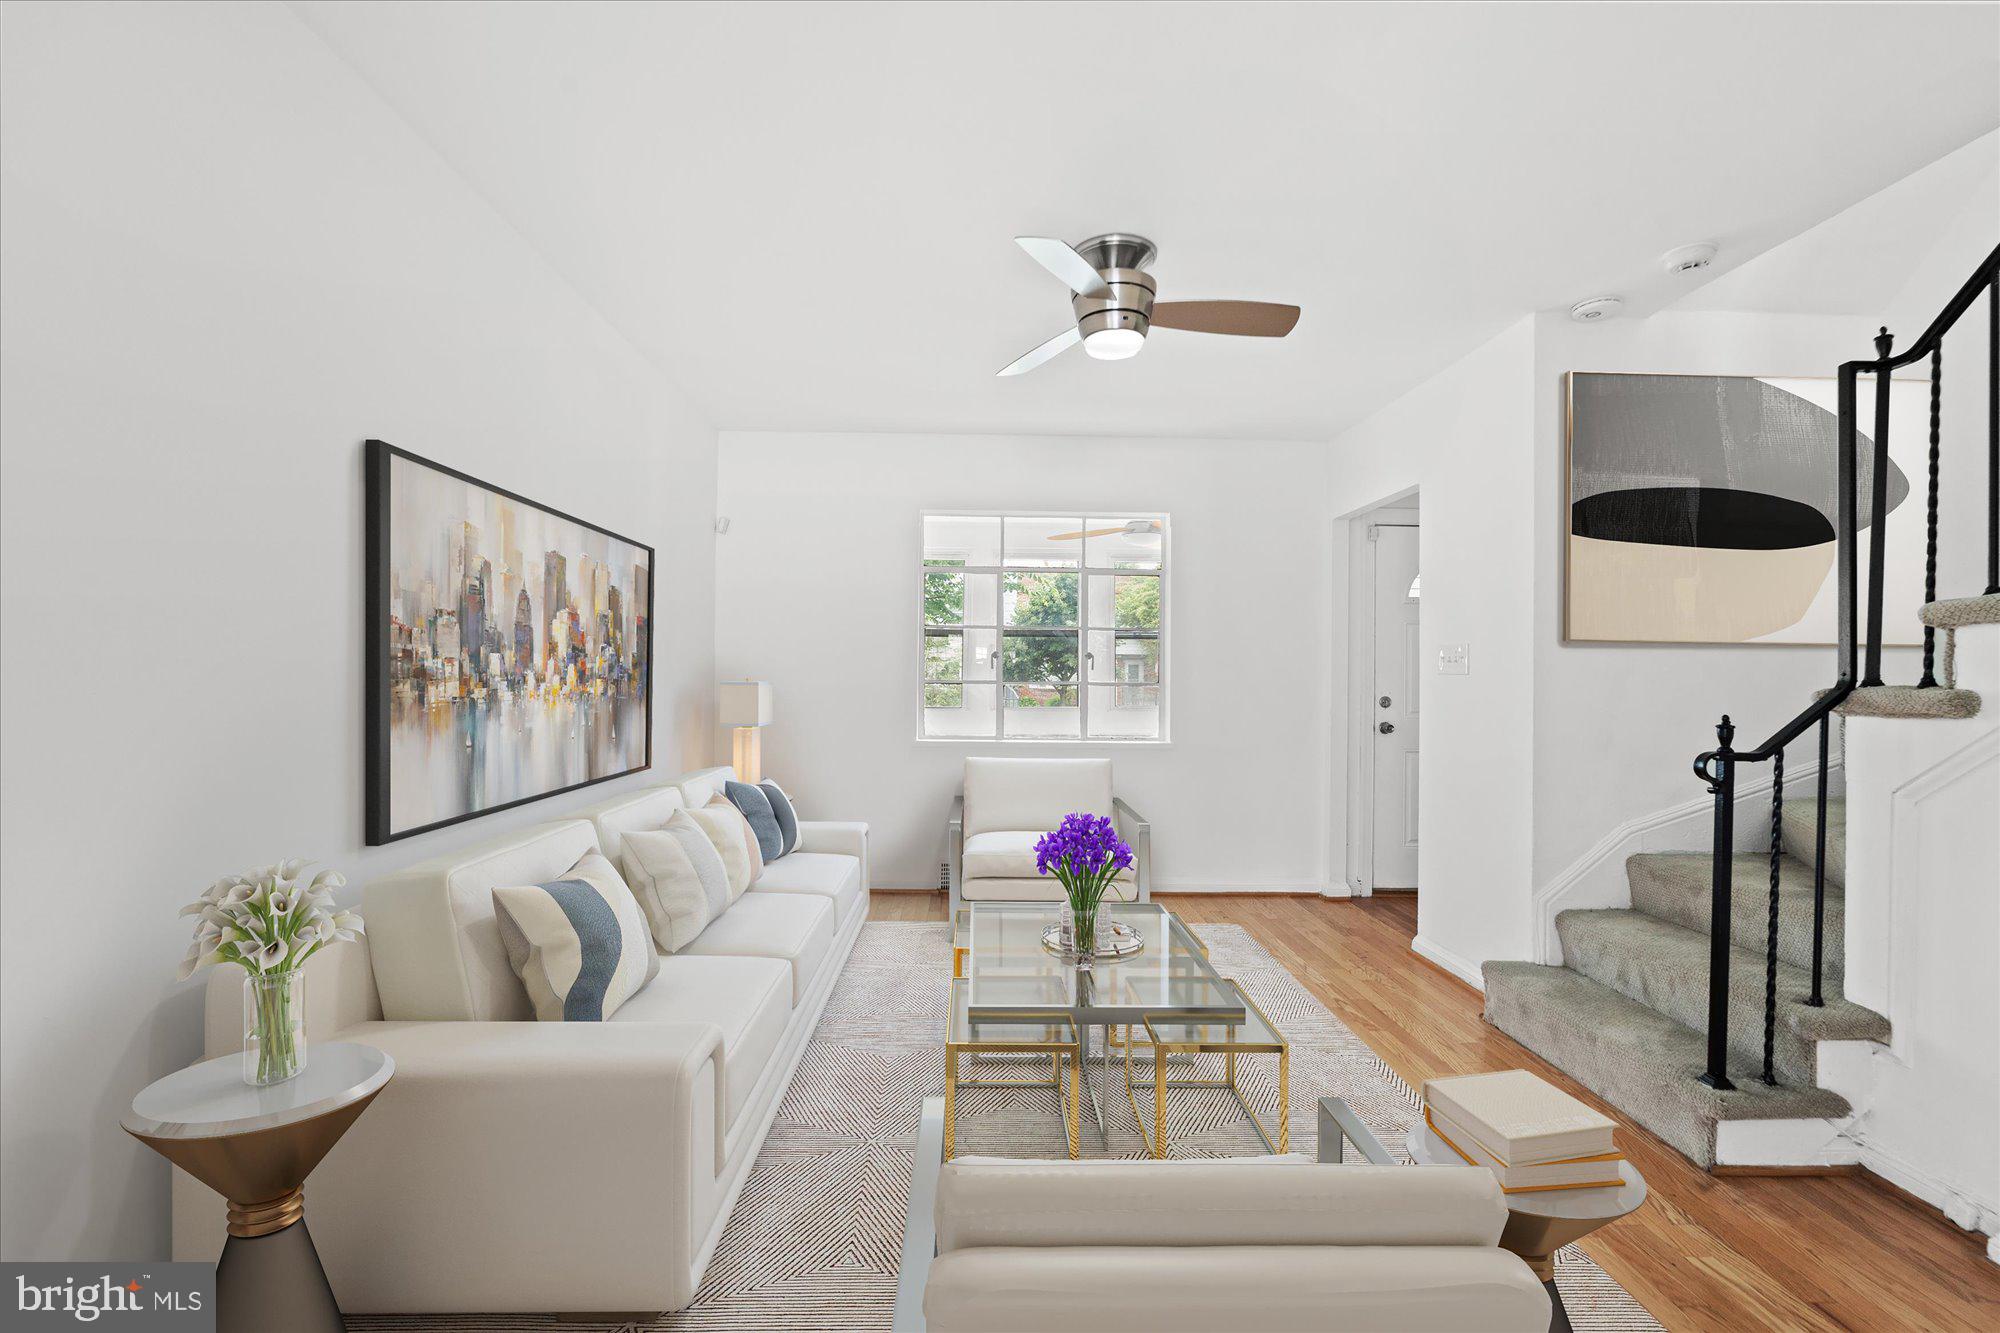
column 816, row 1236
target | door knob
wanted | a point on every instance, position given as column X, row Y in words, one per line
column 1382, row 702
column 1385, row 727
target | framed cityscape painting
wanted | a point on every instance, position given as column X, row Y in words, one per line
column 1701, row 508
column 509, row 648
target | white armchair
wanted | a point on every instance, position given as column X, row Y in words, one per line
column 1006, row 805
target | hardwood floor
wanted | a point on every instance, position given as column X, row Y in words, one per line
column 1705, row 1252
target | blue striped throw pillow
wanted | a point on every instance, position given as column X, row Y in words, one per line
column 755, row 803
column 580, row 944
column 788, row 819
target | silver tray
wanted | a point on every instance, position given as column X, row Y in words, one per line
column 1114, row 940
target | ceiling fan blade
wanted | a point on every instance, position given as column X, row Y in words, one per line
column 1249, row 319
column 1055, row 346
column 1061, row 259
column 1093, row 532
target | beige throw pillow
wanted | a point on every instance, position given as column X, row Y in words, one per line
column 750, row 844
column 678, row 878
column 723, row 827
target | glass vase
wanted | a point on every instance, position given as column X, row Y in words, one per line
column 1083, row 935
column 274, row 1026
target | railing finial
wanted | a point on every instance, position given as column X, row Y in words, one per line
column 1883, row 342
column 1725, row 731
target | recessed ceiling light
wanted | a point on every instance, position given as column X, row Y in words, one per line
column 1596, row 308
column 1689, row 258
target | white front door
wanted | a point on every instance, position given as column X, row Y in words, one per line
column 1394, row 716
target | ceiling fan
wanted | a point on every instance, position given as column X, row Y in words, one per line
column 1112, row 296
column 1138, row 527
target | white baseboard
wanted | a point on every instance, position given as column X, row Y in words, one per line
column 1597, row 878
column 1314, row 888
column 1959, row 1208
column 1462, row 968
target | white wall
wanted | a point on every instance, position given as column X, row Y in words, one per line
column 1923, row 925
column 817, row 593
column 1462, row 440
column 226, row 263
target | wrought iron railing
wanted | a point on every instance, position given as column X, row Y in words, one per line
column 1718, row 767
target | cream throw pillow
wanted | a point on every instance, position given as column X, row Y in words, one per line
column 750, row 843
column 724, row 829
column 580, row 944
column 678, row 878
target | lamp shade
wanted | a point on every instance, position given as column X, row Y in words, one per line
column 743, row 703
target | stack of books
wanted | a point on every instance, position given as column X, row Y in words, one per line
column 1529, row 1134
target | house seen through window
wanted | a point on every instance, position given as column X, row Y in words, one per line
column 1044, row 627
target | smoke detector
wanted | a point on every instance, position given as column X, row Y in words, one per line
column 1596, row 308
column 1688, row 258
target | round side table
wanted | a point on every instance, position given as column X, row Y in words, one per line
column 255, row 1147
column 1543, row 1221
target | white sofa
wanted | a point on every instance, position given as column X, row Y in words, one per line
column 517, row 1166
column 1005, row 807
column 1196, row 1246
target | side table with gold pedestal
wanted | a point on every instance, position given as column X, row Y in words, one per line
column 1540, row 1222
column 255, row 1147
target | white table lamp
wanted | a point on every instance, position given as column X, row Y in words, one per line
column 746, row 706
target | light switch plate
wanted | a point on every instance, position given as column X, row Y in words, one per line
column 1454, row 659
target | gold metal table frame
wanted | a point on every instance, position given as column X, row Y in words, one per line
column 1029, row 1033
column 1172, row 1036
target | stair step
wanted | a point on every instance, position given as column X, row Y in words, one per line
column 1665, row 967
column 1955, row 611
column 1674, row 887
column 1799, row 828
column 1908, row 701
column 1640, row 1061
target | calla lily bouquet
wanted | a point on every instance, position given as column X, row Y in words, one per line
column 270, row 919
column 1085, row 855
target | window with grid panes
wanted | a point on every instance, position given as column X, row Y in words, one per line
column 1043, row 627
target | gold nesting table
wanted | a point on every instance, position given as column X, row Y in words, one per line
column 1028, row 1034
column 1171, row 1036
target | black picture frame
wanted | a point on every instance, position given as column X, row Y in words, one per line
column 378, row 458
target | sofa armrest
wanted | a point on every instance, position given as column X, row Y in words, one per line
column 841, row 837
column 1137, row 833
column 954, row 852
column 497, row 1145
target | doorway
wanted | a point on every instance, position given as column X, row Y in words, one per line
column 1385, row 617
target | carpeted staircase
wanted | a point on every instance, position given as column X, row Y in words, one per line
column 1625, row 1015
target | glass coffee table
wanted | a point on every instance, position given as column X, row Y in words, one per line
column 1007, row 974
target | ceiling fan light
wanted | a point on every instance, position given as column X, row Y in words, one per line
column 1114, row 344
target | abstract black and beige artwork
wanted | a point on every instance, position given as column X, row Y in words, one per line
column 1701, row 508
column 509, row 646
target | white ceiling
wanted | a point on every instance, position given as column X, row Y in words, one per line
column 803, row 211
column 1859, row 261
